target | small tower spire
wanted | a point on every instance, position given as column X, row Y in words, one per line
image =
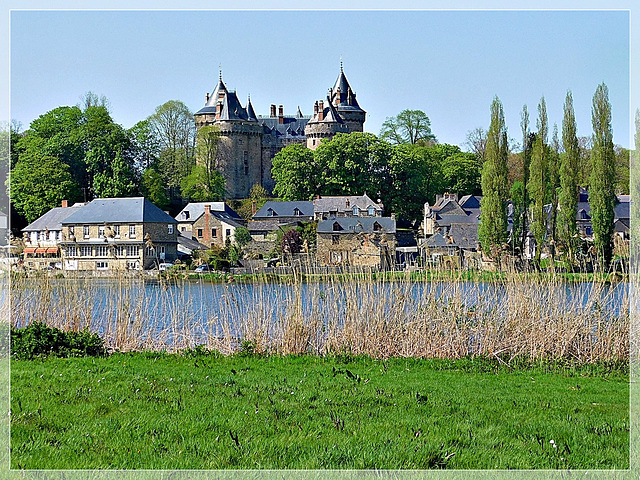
column 220, row 67
column 341, row 70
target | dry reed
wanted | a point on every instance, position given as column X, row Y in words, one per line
column 355, row 314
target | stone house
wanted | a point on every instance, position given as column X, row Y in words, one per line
column 118, row 234
column 274, row 215
column 42, row 237
column 210, row 223
column 350, row 241
column 346, row 206
column 248, row 142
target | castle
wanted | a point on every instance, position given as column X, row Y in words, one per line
column 248, row 142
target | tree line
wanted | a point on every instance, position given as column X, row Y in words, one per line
column 544, row 200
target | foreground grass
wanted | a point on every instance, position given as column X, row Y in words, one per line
column 199, row 411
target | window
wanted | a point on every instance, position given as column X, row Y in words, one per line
column 72, row 231
column 170, row 229
column 335, row 239
column 246, row 162
column 199, row 233
column 336, row 227
column 101, row 231
column 183, row 229
column 297, row 212
column 161, row 253
column 376, row 227
column 228, row 232
column 371, row 211
column 356, row 211
column 150, row 251
column 271, row 213
column 85, row 231
column 102, row 251
column 589, row 231
column 102, row 265
column 85, row 251
column 72, row 251
column 133, row 265
column 121, row 251
column 132, row 251
column 214, row 233
column 132, row 231
column 116, row 231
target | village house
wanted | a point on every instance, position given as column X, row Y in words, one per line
column 450, row 229
column 274, row 215
column 118, row 234
column 210, row 223
column 357, row 241
column 346, row 206
column 42, row 237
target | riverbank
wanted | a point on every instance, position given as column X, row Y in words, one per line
column 202, row 410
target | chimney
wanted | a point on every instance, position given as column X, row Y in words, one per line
column 218, row 110
column 65, row 203
column 337, row 100
column 315, row 108
column 321, row 110
column 207, row 230
column 281, row 114
column 254, row 208
column 347, row 203
column 273, row 110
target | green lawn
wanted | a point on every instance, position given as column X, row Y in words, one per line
column 157, row 411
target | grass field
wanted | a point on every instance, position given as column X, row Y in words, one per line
column 205, row 411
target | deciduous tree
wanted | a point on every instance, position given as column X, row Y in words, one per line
column 602, row 180
column 492, row 231
column 409, row 126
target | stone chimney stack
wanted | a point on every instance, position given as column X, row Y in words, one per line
column 273, row 110
column 281, row 114
column 254, row 208
column 346, row 203
column 321, row 110
column 315, row 108
column 65, row 203
column 207, row 230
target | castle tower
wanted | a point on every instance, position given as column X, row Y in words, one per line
column 239, row 155
column 340, row 114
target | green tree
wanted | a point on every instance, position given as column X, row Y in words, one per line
column 568, row 197
column 202, row 185
column 409, row 126
column 492, row 231
column 462, row 173
column 39, row 183
column 173, row 127
column 152, row 187
column 518, row 206
column 538, row 180
column 553, row 187
column 352, row 164
column 145, row 147
column 295, row 173
column 242, row 236
column 602, row 180
column 116, row 181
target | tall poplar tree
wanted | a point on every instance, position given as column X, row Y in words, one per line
column 492, row 231
column 553, row 187
column 538, row 179
column 526, row 160
column 602, row 180
column 568, row 198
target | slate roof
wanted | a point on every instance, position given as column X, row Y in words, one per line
column 232, row 109
column 284, row 209
column 196, row 209
column 347, row 100
column 357, row 225
column 292, row 126
column 52, row 220
column 190, row 243
column 119, row 210
column 339, row 203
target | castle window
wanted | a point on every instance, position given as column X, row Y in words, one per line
column 335, row 239
column 246, row 162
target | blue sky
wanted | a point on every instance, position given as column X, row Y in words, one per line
column 449, row 64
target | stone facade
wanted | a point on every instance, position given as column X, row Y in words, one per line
column 364, row 242
column 249, row 142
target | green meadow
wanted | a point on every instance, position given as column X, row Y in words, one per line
column 201, row 410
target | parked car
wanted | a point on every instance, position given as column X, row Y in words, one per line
column 202, row 268
column 164, row 266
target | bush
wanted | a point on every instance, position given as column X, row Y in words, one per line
column 39, row 340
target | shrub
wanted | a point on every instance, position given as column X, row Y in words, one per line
column 39, row 340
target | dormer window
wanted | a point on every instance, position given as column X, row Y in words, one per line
column 271, row 212
column 583, row 215
column 185, row 214
column 355, row 210
column 371, row 211
column 376, row 227
column 336, row 227
column 297, row 212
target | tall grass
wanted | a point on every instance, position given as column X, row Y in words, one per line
column 540, row 318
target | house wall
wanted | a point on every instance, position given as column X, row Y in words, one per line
column 207, row 223
column 358, row 249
